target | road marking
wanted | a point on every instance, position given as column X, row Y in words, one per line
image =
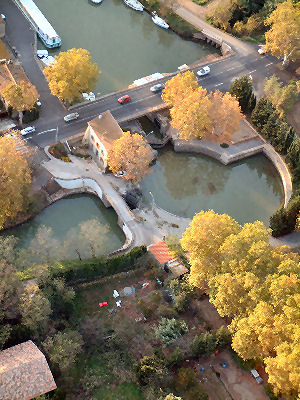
column 219, row 84
column 49, row 130
column 252, row 71
column 269, row 64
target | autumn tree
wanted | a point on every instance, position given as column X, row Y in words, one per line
column 63, row 348
column 21, row 97
column 72, row 74
column 283, row 37
column 132, row 155
column 15, row 179
column 35, row 308
column 226, row 116
column 179, row 87
column 283, row 97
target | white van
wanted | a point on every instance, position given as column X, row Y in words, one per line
column 256, row 376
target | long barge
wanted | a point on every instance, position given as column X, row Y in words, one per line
column 40, row 23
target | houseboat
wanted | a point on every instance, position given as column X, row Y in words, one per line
column 42, row 26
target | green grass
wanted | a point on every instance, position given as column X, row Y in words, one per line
column 178, row 24
column 258, row 39
column 125, row 391
column 200, row 2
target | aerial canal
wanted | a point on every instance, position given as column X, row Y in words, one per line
column 65, row 217
column 184, row 184
column 125, row 44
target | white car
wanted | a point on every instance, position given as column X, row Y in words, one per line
column 3, row 17
column 203, row 71
column 262, row 50
column 71, row 117
column 38, row 103
column 26, row 131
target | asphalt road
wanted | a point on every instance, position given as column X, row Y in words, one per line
column 223, row 72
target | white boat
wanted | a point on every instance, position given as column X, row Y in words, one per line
column 96, row 1
column 136, row 5
column 159, row 21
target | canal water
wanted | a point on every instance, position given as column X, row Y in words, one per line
column 125, row 44
column 66, row 215
column 184, row 184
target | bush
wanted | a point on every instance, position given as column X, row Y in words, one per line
column 284, row 220
column 29, row 116
column 224, row 145
column 146, row 309
column 183, row 294
column 196, row 393
column 87, row 269
column 208, row 343
column 58, row 150
column 186, row 378
column 166, row 311
column 169, row 330
column 149, row 369
column 175, row 358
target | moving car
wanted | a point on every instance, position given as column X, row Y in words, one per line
column 203, row 71
column 157, row 88
column 262, row 49
column 38, row 103
column 71, row 116
column 26, row 131
column 124, row 99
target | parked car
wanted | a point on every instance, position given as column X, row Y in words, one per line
column 26, row 131
column 203, row 71
column 256, row 376
column 124, row 99
column 3, row 17
column 38, row 103
column 157, row 88
column 262, row 50
column 71, row 117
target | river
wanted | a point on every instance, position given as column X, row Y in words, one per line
column 125, row 44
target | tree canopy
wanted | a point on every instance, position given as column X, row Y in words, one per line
column 283, row 97
column 132, row 155
column 20, row 97
column 15, row 179
column 283, row 37
column 72, row 74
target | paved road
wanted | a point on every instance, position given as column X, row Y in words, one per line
column 223, row 72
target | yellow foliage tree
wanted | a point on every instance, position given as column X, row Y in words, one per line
column 225, row 115
column 20, row 97
column 191, row 116
column 72, row 74
column 283, row 37
column 179, row 87
column 202, row 239
column 15, row 179
column 132, row 155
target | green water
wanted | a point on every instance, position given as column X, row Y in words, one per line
column 69, row 213
column 184, row 184
column 125, row 44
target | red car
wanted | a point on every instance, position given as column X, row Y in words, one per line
column 124, row 99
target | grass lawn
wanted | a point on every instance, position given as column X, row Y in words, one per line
column 178, row 24
column 259, row 39
column 125, row 391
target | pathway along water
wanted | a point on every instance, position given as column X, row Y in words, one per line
column 66, row 215
column 125, row 44
column 184, row 184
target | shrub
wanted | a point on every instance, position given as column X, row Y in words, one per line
column 29, row 116
column 165, row 311
column 146, row 309
column 183, row 293
column 175, row 358
column 224, row 145
column 208, row 343
column 87, row 269
column 149, row 369
column 186, row 378
column 58, row 150
column 196, row 393
column 284, row 220
column 169, row 330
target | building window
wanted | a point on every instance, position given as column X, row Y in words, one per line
column 92, row 137
column 97, row 144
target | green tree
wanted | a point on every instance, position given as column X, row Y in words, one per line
column 21, row 97
column 9, row 290
column 293, row 153
column 72, row 74
column 283, row 97
column 169, row 330
column 171, row 396
column 242, row 88
column 63, row 348
column 150, row 369
column 261, row 113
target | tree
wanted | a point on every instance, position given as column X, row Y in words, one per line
column 261, row 113
column 21, row 97
column 282, row 97
column 149, row 369
column 35, row 308
column 293, row 153
column 202, row 239
column 242, row 88
column 225, row 115
column 179, row 87
column 221, row 14
column 171, row 396
column 63, row 348
column 131, row 154
column 72, row 74
column 15, row 179
column 9, row 287
column 283, row 37
column 169, row 330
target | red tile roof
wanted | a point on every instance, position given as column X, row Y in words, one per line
column 161, row 252
column 24, row 373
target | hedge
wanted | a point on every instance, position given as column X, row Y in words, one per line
column 87, row 269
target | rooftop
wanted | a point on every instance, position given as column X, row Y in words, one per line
column 11, row 73
column 106, row 128
column 161, row 252
column 24, row 373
